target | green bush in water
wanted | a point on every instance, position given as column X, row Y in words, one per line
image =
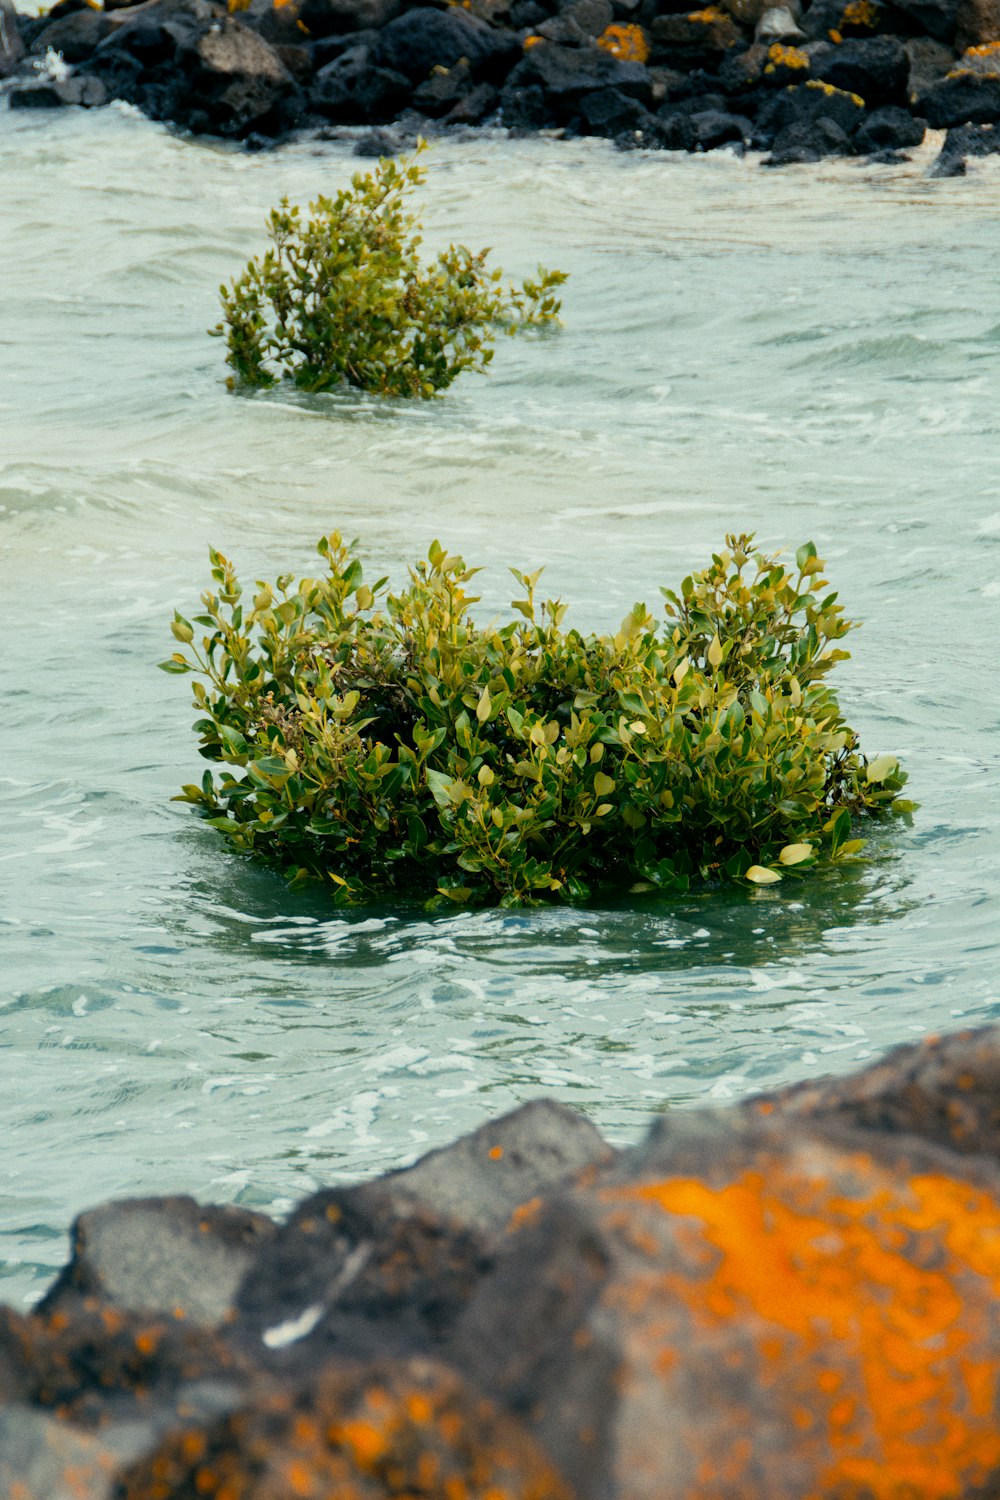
column 342, row 297
column 382, row 741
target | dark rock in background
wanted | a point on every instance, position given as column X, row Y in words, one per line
column 331, row 17
column 878, row 69
column 636, row 72
column 889, row 129
column 962, row 142
column 565, row 74
column 936, row 18
column 930, row 61
column 424, row 38
column 807, row 141
column 75, row 36
column 12, row 46
column 352, row 88
column 961, row 99
column 808, row 110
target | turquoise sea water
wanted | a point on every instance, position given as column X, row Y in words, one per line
column 808, row 354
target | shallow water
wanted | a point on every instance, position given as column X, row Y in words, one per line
column 809, row 354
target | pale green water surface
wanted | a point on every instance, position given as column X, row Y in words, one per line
column 810, row 354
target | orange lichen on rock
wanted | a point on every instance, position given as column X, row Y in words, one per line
column 781, row 57
column 860, row 15
column 859, row 1310
column 410, row 1429
column 627, row 41
column 524, row 1214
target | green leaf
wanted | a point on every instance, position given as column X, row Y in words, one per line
column 440, row 787
column 457, row 893
column 794, row 854
column 879, row 769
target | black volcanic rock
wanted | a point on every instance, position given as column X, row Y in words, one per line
column 877, row 68
column 889, row 129
column 961, row 99
column 423, row 38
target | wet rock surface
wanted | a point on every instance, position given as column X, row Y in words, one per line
column 798, row 1296
column 636, row 72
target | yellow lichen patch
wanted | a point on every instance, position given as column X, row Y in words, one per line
column 862, row 1308
column 780, row 56
column 861, row 14
column 531, row 40
column 831, row 92
column 978, row 62
column 708, row 16
column 629, row 42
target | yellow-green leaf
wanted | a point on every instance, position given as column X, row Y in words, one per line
column 794, row 854
column 761, row 875
column 881, row 767
column 484, row 706
column 603, row 785
column 715, row 652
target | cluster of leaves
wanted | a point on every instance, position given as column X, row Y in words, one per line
column 381, row 741
column 343, row 297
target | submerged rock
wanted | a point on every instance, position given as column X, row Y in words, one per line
column 797, row 1298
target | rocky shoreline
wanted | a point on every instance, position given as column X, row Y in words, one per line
column 832, row 78
column 795, row 1297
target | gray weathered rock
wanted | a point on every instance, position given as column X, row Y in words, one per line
column 44, row 1459
column 480, row 1179
column 165, row 1255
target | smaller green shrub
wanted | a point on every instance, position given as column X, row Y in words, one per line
column 392, row 742
column 342, row 297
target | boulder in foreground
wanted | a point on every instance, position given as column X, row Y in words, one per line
column 792, row 1299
